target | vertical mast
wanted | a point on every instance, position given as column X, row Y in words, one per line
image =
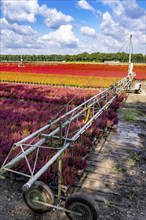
column 21, row 62
column 130, row 67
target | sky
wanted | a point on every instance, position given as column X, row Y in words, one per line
column 71, row 26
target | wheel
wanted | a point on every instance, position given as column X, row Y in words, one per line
column 40, row 192
column 84, row 204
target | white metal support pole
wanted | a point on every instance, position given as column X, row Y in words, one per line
column 130, row 67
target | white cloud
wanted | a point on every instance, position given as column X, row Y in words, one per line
column 88, row 31
column 58, row 41
column 26, row 10
column 126, row 12
column 129, row 8
column 54, row 18
column 63, row 36
column 132, row 10
column 126, row 18
column 19, row 29
column 86, row 6
column 11, row 39
column 16, row 36
column 20, row 10
column 111, row 28
column 92, row 46
column 111, row 44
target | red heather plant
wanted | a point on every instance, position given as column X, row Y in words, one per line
column 96, row 131
column 47, row 175
column 109, row 123
column 115, row 121
column 86, row 141
column 80, row 149
column 101, row 124
column 80, row 163
column 93, row 131
column 67, row 160
column 110, row 96
column 115, row 106
column 89, row 132
column 111, row 114
column 69, row 176
column 16, row 136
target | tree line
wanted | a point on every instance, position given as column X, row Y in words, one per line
column 83, row 57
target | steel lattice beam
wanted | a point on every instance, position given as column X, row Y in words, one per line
column 63, row 135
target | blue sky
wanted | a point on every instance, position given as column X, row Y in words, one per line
column 71, row 26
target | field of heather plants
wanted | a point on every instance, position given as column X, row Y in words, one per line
column 82, row 75
column 26, row 108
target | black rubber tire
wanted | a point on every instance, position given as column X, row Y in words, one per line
column 43, row 193
column 83, row 201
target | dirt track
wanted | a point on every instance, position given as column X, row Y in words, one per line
column 115, row 176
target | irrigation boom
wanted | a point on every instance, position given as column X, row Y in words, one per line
column 59, row 134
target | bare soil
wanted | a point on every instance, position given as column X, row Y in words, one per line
column 115, row 175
